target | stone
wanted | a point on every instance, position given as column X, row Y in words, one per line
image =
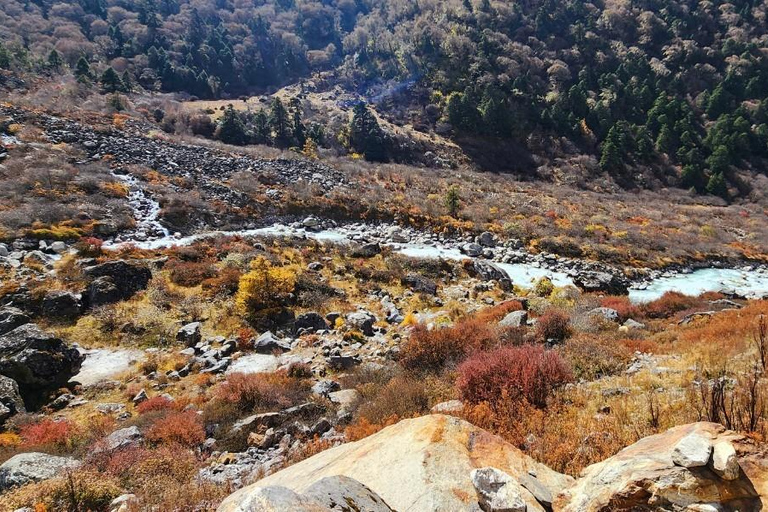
column 496, row 490
column 645, row 475
column 419, row 284
column 487, row 271
column 61, row 305
column 31, row 467
column 10, row 398
column 141, row 396
column 602, row 282
column 604, row 314
column 129, row 437
column 123, row 503
column 310, row 322
column 366, row 251
column 692, row 451
column 417, row 464
column 59, row 247
column 102, row 291
column 486, row 239
column 346, row 399
column 341, row 493
column 268, row 343
column 361, row 320
column 633, row 324
column 514, row 319
column 473, row 250
column 189, row 335
column 128, row 278
column 724, row 461
column 37, row 360
column 324, row 387
column 11, row 318
column 448, row 407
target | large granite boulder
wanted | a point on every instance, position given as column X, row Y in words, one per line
column 31, row 467
column 420, row 464
column 10, row 398
column 602, row 282
column 37, row 360
column 669, row 471
column 488, row 271
column 62, row 305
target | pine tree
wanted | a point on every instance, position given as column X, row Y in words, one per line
column 82, row 69
column 278, row 122
column 665, row 141
column 365, row 134
column 717, row 186
column 610, row 159
column 693, row 177
column 127, row 81
column 453, row 200
column 110, row 81
column 231, row 128
column 54, row 60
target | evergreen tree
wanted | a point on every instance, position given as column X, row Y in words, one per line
column 278, row 122
column 231, row 128
column 610, row 159
column 127, row 81
column 261, row 127
column 82, row 69
column 718, row 103
column 717, row 186
column 693, row 177
column 665, row 141
column 110, row 81
column 453, row 200
column 54, row 60
column 644, row 144
column 365, row 134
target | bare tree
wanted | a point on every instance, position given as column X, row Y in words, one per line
column 760, row 339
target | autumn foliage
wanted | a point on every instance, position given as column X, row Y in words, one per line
column 182, row 428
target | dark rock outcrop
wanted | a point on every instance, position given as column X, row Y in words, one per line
column 115, row 280
column 602, row 282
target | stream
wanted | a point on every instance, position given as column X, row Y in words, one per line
column 748, row 281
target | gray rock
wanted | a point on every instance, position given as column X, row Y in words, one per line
column 362, row 321
column 366, row 251
column 602, row 282
column 128, row 437
column 632, row 324
column 33, row 467
column 268, row 343
column 487, row 271
column 725, row 461
column 692, row 451
column 61, row 305
column 59, row 247
column 311, row 322
column 497, row 491
column 10, row 398
column 324, row 387
column 189, row 335
column 128, row 278
column 514, row 319
column 486, row 239
column 141, row 396
column 607, row 314
column 449, row 407
column 419, row 284
column 11, row 318
column 472, row 250
column 341, row 493
column 103, row 290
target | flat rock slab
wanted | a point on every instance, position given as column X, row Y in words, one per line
column 105, row 364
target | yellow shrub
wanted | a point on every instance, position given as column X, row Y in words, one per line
column 9, row 439
column 115, row 189
column 264, row 286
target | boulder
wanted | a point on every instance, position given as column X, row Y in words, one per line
column 633, row 324
column 11, row 318
column 487, row 271
column 366, row 251
column 37, row 360
column 497, row 491
column 645, row 476
column 362, row 321
column 311, row 322
column 418, row 464
column 692, row 451
column 603, row 314
column 725, row 461
column 30, row 467
column 101, row 291
column 61, row 305
column 448, row 407
column 472, row 250
column 419, row 284
column 128, row 437
column 128, row 278
column 514, row 319
column 10, row 398
column 602, row 282
column 189, row 335
column 268, row 343
column 486, row 239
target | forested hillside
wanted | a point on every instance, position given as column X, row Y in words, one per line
column 678, row 87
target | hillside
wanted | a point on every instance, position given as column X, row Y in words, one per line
column 645, row 93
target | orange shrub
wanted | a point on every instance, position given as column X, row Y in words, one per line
column 156, row 403
column 669, row 304
column 529, row 372
column 432, row 351
column 642, row 346
column 496, row 313
column 553, row 325
column 47, row 433
column 189, row 273
column 250, row 391
column 363, row 428
column 622, row 305
column 182, row 428
column 225, row 283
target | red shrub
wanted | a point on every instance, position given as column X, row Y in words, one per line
column 47, row 432
column 183, row 428
column 496, row 313
column 89, row 247
column 622, row 305
column 431, row 351
column 669, row 304
column 529, row 372
column 249, row 391
column 189, row 273
column 553, row 325
column 225, row 283
column 156, row 403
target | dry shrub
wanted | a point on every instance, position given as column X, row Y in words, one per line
column 182, row 428
column 363, row 428
column 669, row 304
column 498, row 312
column 403, row 397
column 724, row 334
column 80, row 490
column 223, row 284
column 553, row 325
column 593, row 357
column 642, row 346
column 622, row 305
column 529, row 373
column 432, row 351
column 89, row 247
column 189, row 273
column 250, row 391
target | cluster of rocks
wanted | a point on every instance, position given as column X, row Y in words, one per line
column 212, row 355
column 31, row 255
